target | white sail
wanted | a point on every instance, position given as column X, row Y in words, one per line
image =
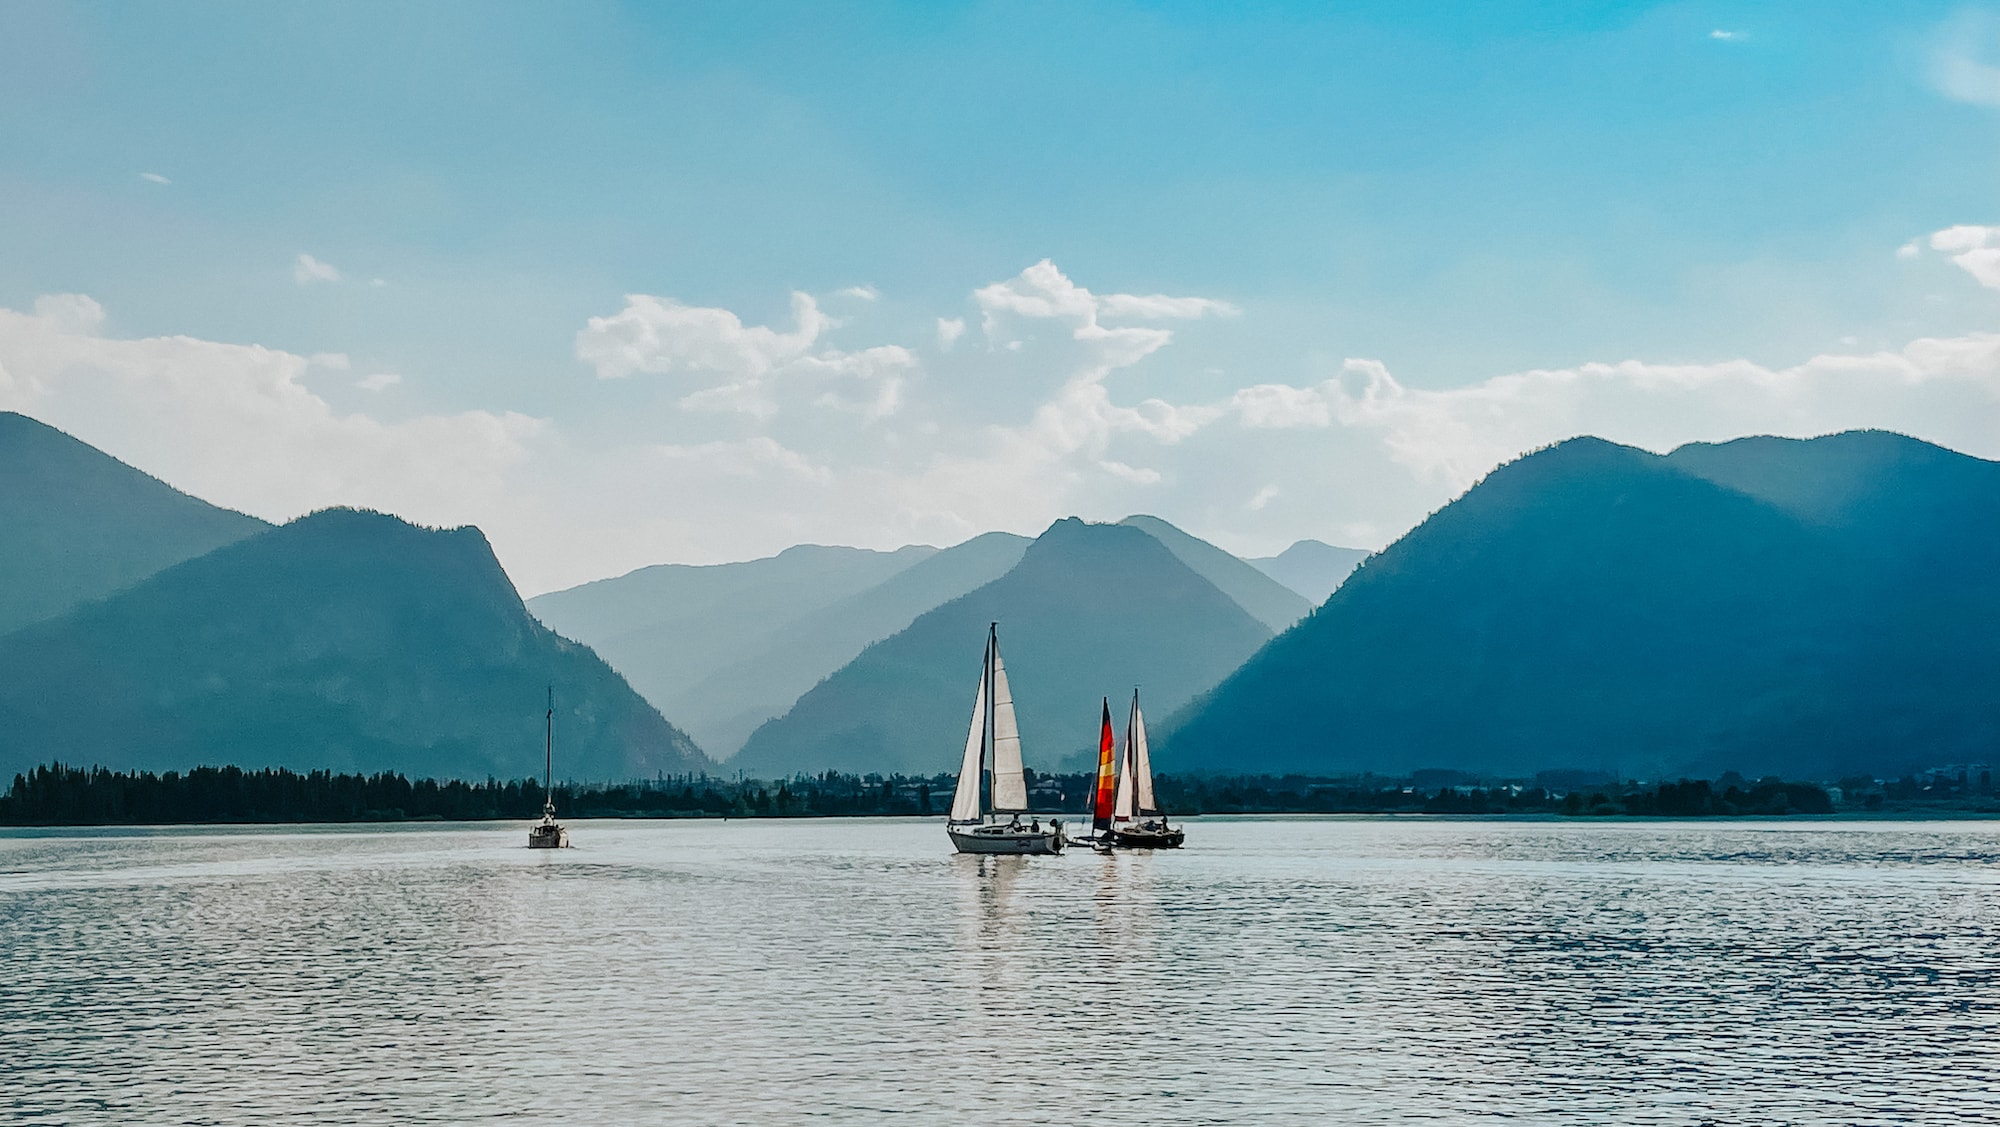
column 1142, row 763
column 1010, row 789
column 965, row 800
column 1121, row 803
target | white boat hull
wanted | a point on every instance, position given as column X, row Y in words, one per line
column 547, row 835
column 1000, row 838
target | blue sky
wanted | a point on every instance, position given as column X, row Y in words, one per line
column 1453, row 193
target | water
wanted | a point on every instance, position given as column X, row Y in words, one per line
column 1277, row 971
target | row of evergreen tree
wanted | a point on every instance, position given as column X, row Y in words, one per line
column 61, row 795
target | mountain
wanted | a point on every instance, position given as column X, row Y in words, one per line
column 345, row 640
column 1091, row 610
column 723, row 708
column 81, row 524
column 669, row 626
column 1312, row 568
column 1813, row 608
column 1268, row 601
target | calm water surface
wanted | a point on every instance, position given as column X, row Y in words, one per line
column 1277, row 971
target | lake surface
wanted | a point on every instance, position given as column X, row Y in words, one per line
column 1276, row 971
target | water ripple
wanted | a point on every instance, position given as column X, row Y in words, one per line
column 1368, row 970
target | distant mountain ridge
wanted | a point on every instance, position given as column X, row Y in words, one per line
column 346, row 640
column 1803, row 607
column 1268, row 601
column 1312, row 568
column 1090, row 610
column 723, row 708
column 671, row 627
column 79, row 524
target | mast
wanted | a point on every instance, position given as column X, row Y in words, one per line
column 1122, row 809
column 986, row 759
column 549, row 765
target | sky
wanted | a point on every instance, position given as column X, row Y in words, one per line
column 626, row 284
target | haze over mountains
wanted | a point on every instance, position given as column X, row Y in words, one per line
column 345, row 640
column 80, row 524
column 1092, row 610
column 669, row 627
column 725, row 706
column 1812, row 608
column 1268, row 601
column 1311, row 568
column 724, row 648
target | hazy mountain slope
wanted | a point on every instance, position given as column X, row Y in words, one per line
column 1090, row 611
column 1312, row 568
column 1268, row 601
column 345, row 640
column 1595, row 605
column 723, row 708
column 667, row 627
column 79, row 524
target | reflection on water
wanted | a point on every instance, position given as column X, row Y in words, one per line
column 1375, row 971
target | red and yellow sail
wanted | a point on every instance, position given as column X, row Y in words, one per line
column 1107, row 775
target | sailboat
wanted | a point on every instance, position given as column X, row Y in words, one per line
column 547, row 834
column 1135, row 821
column 990, row 779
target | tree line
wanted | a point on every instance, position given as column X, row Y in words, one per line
column 61, row 795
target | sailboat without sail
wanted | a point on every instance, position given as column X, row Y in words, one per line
column 990, row 777
column 546, row 834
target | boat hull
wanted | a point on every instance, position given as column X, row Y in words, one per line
column 1147, row 837
column 1018, row 840
column 548, row 836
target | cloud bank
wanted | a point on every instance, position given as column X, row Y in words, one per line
column 1038, row 399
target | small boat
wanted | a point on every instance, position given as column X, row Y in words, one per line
column 1135, row 820
column 990, row 779
column 547, row 833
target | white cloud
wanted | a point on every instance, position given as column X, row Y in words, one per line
column 236, row 425
column 949, row 329
column 1965, row 65
column 379, row 381
column 154, row 178
column 751, row 369
column 377, row 283
column 1948, row 390
column 769, row 435
column 1725, row 36
column 1136, row 476
column 1909, row 250
column 660, row 335
column 1042, row 292
column 72, row 313
column 1976, row 250
column 859, row 293
column 307, row 270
